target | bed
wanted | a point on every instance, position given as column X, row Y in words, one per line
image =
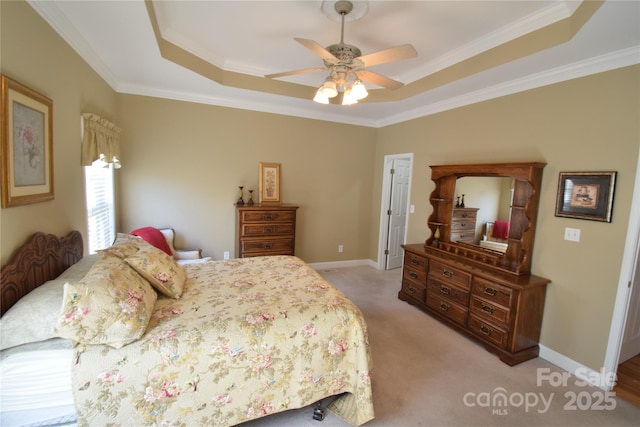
column 237, row 340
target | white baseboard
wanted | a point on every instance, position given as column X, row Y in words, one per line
column 339, row 264
column 602, row 380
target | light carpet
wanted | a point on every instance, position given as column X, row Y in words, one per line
column 426, row 374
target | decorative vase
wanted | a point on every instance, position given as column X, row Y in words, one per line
column 458, row 202
column 462, row 202
column 240, row 201
column 250, row 201
column 436, row 237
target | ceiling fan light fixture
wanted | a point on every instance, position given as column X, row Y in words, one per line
column 329, row 88
column 348, row 98
column 358, row 90
column 320, row 97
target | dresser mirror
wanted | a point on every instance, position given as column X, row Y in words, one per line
column 521, row 188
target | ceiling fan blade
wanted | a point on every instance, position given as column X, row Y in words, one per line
column 398, row 53
column 316, row 48
column 295, row 72
column 378, row 79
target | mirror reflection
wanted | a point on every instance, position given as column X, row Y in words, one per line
column 489, row 198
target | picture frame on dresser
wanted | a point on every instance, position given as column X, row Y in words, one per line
column 586, row 195
column 269, row 184
column 26, row 145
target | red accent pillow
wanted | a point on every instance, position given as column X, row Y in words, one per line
column 501, row 229
column 154, row 237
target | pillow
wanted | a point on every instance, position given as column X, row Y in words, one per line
column 155, row 237
column 33, row 317
column 111, row 305
column 160, row 269
column 123, row 246
column 80, row 269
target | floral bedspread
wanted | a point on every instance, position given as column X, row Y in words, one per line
column 248, row 338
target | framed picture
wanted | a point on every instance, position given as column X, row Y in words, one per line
column 27, row 145
column 586, row 195
column 269, row 183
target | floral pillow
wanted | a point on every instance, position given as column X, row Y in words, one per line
column 160, row 269
column 111, row 305
column 123, row 246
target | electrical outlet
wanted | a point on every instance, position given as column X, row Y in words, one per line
column 340, row 248
column 572, row 234
column 226, row 254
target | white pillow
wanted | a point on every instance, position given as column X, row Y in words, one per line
column 33, row 317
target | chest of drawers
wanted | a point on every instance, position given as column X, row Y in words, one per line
column 265, row 230
column 463, row 225
column 502, row 311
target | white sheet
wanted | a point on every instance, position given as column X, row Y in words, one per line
column 35, row 387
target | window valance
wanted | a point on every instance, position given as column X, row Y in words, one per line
column 101, row 140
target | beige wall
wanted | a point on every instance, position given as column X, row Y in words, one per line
column 587, row 124
column 183, row 163
column 34, row 55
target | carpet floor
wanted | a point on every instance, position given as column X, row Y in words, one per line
column 425, row 374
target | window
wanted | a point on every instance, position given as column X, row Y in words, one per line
column 101, row 212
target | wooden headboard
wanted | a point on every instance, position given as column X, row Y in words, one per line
column 41, row 258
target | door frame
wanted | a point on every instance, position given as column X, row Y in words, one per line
column 383, row 234
column 621, row 307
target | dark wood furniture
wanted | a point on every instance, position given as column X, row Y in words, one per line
column 265, row 230
column 41, row 258
column 463, row 225
column 488, row 296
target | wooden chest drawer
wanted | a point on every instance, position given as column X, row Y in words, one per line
column 417, row 276
column 491, row 291
column 451, row 310
column 447, row 291
column 464, row 236
column 266, row 229
column 457, row 226
column 279, row 246
column 416, row 262
column 414, row 290
column 488, row 331
column 448, row 274
column 464, row 213
column 268, row 216
column 492, row 311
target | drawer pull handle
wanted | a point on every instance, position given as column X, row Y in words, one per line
column 486, row 330
column 268, row 245
column 447, row 273
column 267, row 229
column 490, row 291
column 414, row 261
column 268, row 217
column 464, row 215
column 412, row 289
column 463, row 224
column 413, row 275
column 445, row 290
column 487, row 308
column 444, row 307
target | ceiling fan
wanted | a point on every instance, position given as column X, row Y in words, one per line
column 347, row 65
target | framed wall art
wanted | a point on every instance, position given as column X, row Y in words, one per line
column 269, row 187
column 26, row 145
column 586, row 195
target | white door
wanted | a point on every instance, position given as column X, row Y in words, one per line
column 631, row 341
column 397, row 212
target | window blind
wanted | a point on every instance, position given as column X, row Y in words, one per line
column 101, row 221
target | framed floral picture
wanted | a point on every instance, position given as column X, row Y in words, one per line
column 269, row 183
column 586, row 195
column 26, row 145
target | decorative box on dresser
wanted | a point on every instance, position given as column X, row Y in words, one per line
column 463, row 225
column 265, row 230
column 488, row 296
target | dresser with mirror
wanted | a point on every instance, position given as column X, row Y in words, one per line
column 485, row 292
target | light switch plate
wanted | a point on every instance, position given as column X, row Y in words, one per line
column 572, row 234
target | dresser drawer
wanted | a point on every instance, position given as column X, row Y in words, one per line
column 491, row 291
column 414, row 290
column 279, row 246
column 492, row 311
column 463, row 236
column 447, row 291
column 416, row 262
column 457, row 226
column 464, row 214
column 417, row 276
column 488, row 331
column 268, row 216
column 449, row 309
column 447, row 274
column 266, row 229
